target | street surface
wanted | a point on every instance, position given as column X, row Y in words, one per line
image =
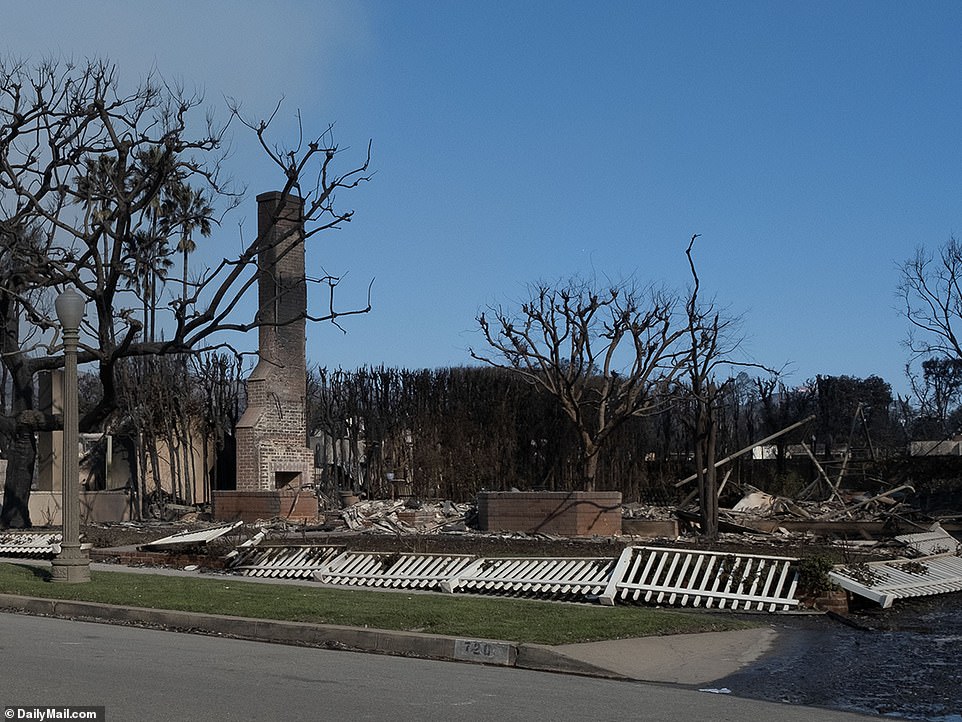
column 903, row 664
column 152, row 675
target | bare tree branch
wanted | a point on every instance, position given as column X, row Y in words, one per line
column 606, row 354
column 110, row 192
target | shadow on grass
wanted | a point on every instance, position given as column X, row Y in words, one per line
column 41, row 573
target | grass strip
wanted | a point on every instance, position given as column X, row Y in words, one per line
column 512, row 620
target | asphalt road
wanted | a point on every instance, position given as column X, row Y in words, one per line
column 151, row 675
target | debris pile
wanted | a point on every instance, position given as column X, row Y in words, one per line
column 649, row 512
column 403, row 517
column 843, row 506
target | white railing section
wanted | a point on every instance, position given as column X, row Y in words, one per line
column 884, row 582
column 392, row 570
column 30, row 544
column 551, row 578
column 930, row 543
column 291, row 561
column 653, row 575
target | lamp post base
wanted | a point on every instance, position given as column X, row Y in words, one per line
column 71, row 566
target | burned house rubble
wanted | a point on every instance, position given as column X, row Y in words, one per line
column 758, row 564
column 871, row 542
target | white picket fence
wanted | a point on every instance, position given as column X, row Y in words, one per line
column 930, row 543
column 681, row 577
column 544, row 578
column 30, row 544
column 640, row 575
column 294, row 561
column 884, row 582
column 392, row 570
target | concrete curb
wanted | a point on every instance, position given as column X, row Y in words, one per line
column 328, row 636
column 544, row 658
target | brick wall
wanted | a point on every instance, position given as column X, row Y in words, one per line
column 575, row 513
column 834, row 600
column 251, row 506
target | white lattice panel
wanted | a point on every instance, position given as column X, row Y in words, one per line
column 30, row 544
column 292, row 561
column 549, row 578
column 390, row 570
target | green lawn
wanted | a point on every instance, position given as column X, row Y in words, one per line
column 465, row 616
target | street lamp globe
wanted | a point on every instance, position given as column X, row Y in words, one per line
column 70, row 309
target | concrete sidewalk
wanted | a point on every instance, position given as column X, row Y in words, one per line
column 687, row 659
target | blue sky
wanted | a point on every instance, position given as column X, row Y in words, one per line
column 813, row 145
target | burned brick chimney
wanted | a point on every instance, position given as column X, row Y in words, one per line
column 273, row 459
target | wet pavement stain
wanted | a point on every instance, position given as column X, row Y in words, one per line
column 906, row 664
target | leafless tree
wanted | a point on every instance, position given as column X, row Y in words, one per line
column 99, row 189
column 606, row 354
column 711, row 356
column 930, row 288
column 704, row 328
column 938, row 390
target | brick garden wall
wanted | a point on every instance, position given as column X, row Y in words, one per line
column 250, row 506
column 574, row 513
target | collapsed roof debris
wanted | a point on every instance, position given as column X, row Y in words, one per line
column 846, row 506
